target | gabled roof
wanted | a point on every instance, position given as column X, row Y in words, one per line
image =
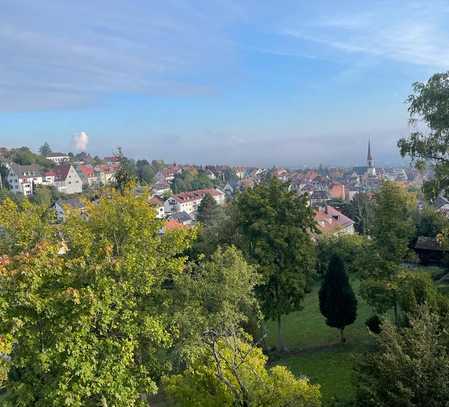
column 330, row 220
column 32, row 170
column 62, row 171
column 181, row 217
column 196, row 195
column 156, row 201
column 87, row 171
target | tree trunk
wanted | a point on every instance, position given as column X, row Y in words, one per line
column 280, row 341
column 342, row 337
column 104, row 403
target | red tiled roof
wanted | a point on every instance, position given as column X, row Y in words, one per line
column 329, row 220
column 196, row 195
column 87, row 170
column 62, row 171
column 50, row 174
column 173, row 225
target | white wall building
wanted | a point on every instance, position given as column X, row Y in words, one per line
column 22, row 178
column 58, row 158
column 189, row 201
column 67, row 180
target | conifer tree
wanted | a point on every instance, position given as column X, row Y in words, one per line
column 338, row 303
column 206, row 208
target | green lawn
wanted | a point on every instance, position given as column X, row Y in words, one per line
column 314, row 348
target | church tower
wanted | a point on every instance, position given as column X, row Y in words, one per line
column 371, row 168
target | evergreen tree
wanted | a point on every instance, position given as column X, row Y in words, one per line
column 206, row 208
column 45, row 150
column 338, row 303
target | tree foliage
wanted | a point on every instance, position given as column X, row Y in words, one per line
column 190, row 181
column 350, row 248
column 410, row 367
column 45, row 150
column 126, row 173
column 231, row 372
column 338, row 303
column 81, row 302
column 145, row 172
column 216, row 294
column 24, row 156
column 274, row 225
column 392, row 232
column 206, row 209
column 429, row 105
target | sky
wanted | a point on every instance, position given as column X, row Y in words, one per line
column 257, row 82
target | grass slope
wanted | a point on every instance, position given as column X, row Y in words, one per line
column 315, row 350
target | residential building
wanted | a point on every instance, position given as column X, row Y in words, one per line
column 182, row 217
column 72, row 203
column 22, row 178
column 337, row 191
column 188, row 201
column 87, row 174
column 332, row 222
column 158, row 204
column 58, row 158
column 67, row 179
column 161, row 188
column 319, row 198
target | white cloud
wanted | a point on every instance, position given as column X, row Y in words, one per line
column 413, row 34
column 80, row 141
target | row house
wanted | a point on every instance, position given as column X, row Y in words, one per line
column 189, row 201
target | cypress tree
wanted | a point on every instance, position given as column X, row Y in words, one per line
column 338, row 303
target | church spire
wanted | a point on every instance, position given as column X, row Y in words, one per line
column 369, row 157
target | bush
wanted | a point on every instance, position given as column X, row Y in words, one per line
column 374, row 324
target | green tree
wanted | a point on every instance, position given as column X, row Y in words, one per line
column 45, row 150
column 216, row 294
column 360, row 211
column 42, row 195
column 338, row 303
column 429, row 105
column 231, row 372
column 410, row 367
column 126, row 173
column 274, row 228
column 220, row 230
column 429, row 222
column 3, row 176
column 145, row 172
column 350, row 248
column 207, row 208
column 83, row 306
column 190, row 181
column 392, row 232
